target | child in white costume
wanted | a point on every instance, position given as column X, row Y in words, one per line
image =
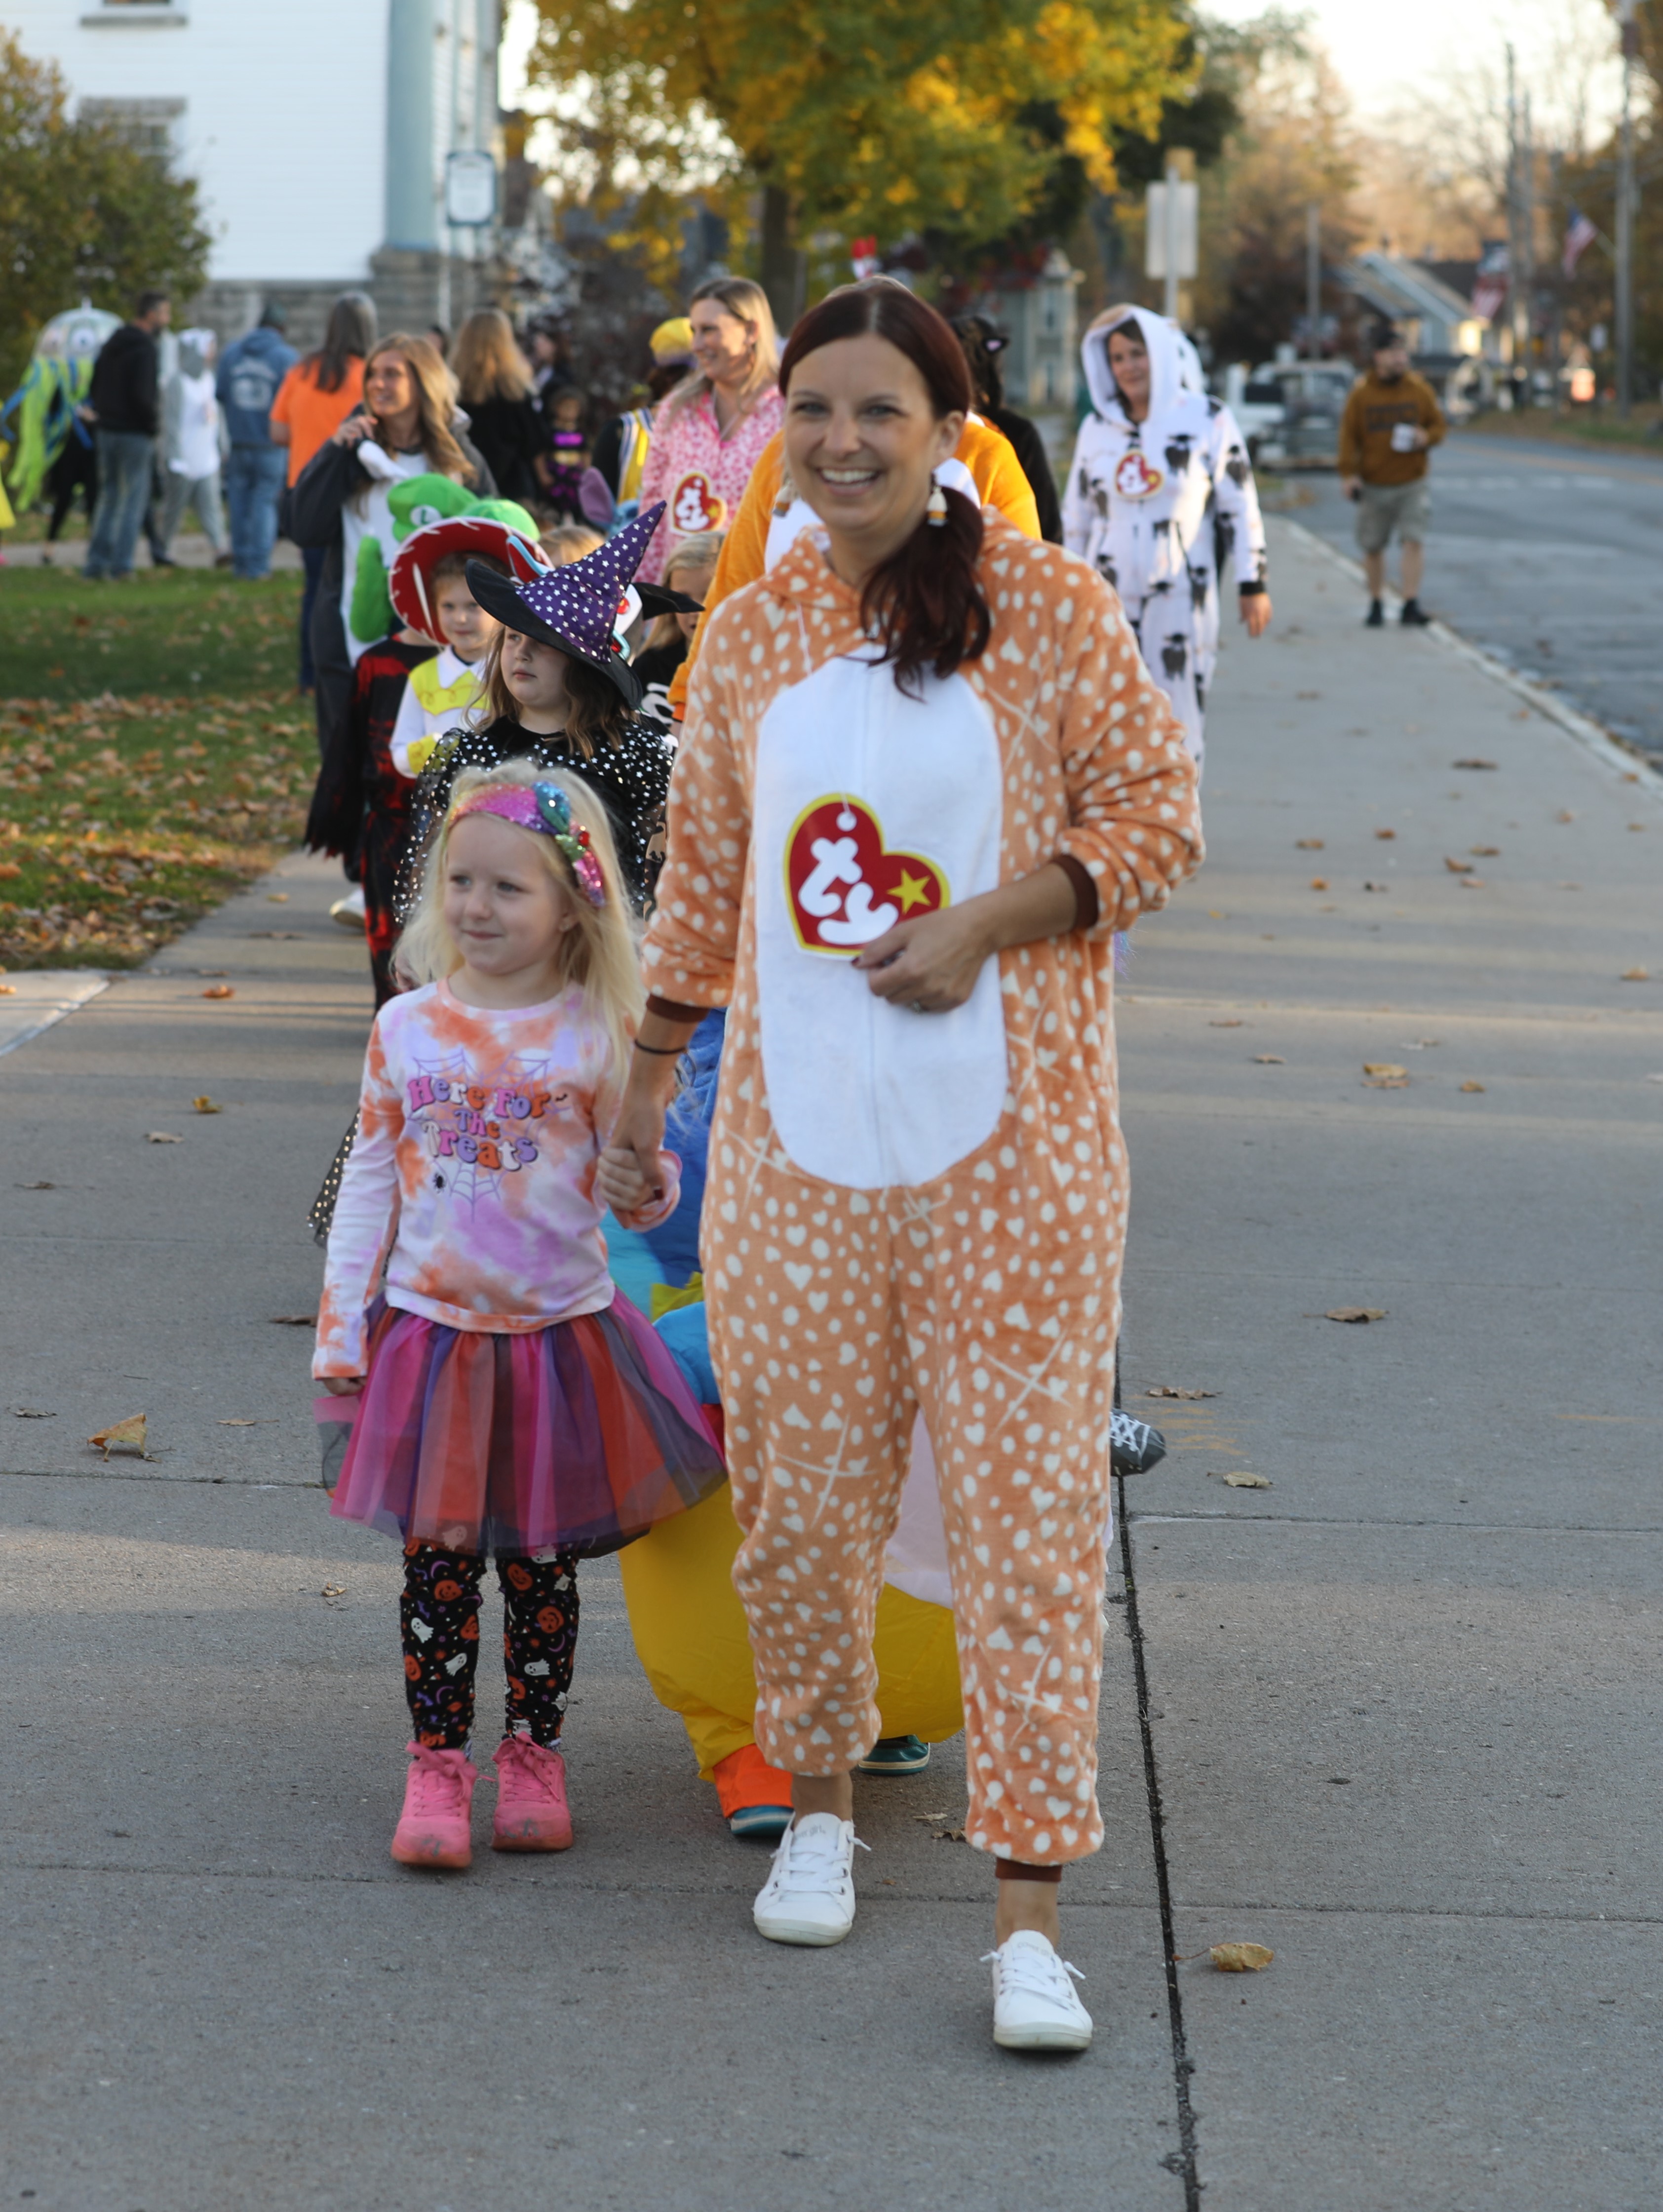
column 1157, row 499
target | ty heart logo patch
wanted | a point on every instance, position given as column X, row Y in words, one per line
column 844, row 885
column 694, row 506
column 1135, row 477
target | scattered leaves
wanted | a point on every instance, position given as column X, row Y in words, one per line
column 1565, row 814
column 1636, row 825
column 240, row 1425
column 1635, row 975
column 1166, row 1390
column 1457, row 867
column 1388, row 1070
column 1485, row 851
column 1240, row 1958
column 122, row 1436
column 1386, row 833
column 219, row 991
column 1233, row 1022
column 1319, row 883
column 1473, row 884
column 1269, row 1060
column 1308, row 844
column 8, row 990
column 1354, row 1313
column 206, row 1105
column 161, row 1137
column 1471, row 1086
column 32, row 1413
column 34, row 1186
column 277, row 898
column 1377, row 887
column 1475, row 763
column 1239, row 1478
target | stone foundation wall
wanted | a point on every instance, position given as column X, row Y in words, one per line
column 409, row 289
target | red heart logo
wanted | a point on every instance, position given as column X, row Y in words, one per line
column 695, row 507
column 845, row 886
column 1136, row 478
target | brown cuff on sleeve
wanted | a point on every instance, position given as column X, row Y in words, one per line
column 1086, row 908
column 671, row 1010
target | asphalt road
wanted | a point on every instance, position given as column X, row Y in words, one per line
column 1550, row 557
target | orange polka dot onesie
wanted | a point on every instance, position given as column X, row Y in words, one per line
column 909, row 1211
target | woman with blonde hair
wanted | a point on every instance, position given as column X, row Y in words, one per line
column 496, row 384
column 711, row 430
column 407, row 426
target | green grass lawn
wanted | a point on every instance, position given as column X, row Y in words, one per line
column 153, row 755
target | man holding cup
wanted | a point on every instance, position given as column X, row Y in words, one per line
column 1391, row 420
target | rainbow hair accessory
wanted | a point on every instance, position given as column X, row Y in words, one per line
column 544, row 808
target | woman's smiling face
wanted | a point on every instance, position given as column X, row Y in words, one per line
column 863, row 439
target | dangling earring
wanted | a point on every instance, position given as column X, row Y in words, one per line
column 936, row 509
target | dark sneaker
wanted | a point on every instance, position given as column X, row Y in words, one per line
column 1375, row 617
column 1134, row 1447
column 1414, row 616
column 896, row 1754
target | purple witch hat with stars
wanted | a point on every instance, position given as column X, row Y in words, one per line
column 583, row 608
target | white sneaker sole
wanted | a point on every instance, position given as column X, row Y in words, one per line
column 780, row 1928
column 1040, row 2035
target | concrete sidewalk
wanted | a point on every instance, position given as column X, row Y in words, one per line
column 1402, row 1710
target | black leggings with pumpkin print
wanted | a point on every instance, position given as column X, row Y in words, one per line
column 438, row 1616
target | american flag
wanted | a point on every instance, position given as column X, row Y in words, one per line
column 1579, row 234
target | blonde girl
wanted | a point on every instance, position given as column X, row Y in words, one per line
column 507, row 1400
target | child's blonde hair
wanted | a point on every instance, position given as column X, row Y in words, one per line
column 701, row 550
column 597, row 954
column 568, row 541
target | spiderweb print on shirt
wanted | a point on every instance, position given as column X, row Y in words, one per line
column 477, row 1134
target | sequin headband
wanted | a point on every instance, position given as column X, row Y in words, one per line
column 545, row 808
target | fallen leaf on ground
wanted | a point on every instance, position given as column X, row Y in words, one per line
column 1213, row 914
column 206, row 1105
column 123, row 1436
column 1354, row 1313
column 277, row 898
column 1385, row 1067
column 929, row 1818
column 1240, row 1958
column 219, row 991
column 8, row 990
column 240, row 1425
column 1457, row 867
column 331, row 1589
column 296, row 1321
column 1269, row 1060
column 1240, row 1479
column 1636, row 825
column 1166, row 1390
column 161, row 1137
column 950, row 1835
column 1471, row 1086
column 1308, row 844
column 1471, row 763
column 34, row 1186
column 1319, row 883
column 1386, row 1083
column 32, row 1413
column 1564, row 814
column 1473, row 884
column 1235, row 1022
column 1635, row 975
column 1377, row 887
column 1485, row 851
column 1386, row 833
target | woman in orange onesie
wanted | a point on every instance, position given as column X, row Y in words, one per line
column 925, row 777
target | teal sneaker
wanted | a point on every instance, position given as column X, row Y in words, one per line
column 896, row 1754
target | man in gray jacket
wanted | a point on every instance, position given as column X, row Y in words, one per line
column 250, row 372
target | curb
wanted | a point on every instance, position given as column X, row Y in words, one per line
column 1612, row 751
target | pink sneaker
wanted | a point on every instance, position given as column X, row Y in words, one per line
column 532, row 1812
column 433, row 1828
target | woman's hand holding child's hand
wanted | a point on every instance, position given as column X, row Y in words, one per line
column 620, row 1182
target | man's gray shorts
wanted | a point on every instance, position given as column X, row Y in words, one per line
column 1383, row 508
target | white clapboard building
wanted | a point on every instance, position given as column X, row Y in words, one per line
column 339, row 144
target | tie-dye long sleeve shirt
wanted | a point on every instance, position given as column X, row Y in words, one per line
column 473, row 1173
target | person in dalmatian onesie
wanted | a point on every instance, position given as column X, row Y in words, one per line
column 1160, row 493
column 925, row 777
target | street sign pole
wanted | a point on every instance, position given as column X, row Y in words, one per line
column 1170, row 211
column 1625, row 217
column 1313, row 278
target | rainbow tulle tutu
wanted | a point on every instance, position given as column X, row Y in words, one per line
column 579, row 1436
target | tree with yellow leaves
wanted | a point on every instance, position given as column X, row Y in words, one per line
column 870, row 118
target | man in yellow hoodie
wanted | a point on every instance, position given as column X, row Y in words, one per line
column 1391, row 421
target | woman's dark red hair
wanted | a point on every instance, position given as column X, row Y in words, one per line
column 924, row 601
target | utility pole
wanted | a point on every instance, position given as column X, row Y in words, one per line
column 1625, row 216
column 1517, row 251
column 1314, row 277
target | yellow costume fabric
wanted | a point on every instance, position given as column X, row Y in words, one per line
column 986, row 452
column 690, row 1638
column 909, row 1211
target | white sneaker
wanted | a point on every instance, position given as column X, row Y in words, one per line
column 809, row 1896
column 1035, row 2007
column 349, row 911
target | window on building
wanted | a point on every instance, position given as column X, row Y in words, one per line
column 152, row 126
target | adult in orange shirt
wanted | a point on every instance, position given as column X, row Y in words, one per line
column 983, row 465
column 312, row 401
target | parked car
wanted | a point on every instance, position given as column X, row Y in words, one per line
column 1313, row 394
column 1257, row 403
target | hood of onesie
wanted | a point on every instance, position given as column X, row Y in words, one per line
column 1166, row 346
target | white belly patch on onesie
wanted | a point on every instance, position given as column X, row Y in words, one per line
column 871, row 807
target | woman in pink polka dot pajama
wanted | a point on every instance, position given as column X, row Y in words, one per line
column 925, row 777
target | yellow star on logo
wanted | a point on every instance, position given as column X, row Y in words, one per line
column 911, row 890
